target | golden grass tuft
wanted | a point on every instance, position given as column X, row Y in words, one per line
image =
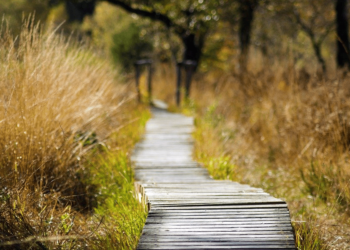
column 59, row 103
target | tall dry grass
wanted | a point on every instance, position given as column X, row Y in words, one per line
column 287, row 131
column 58, row 102
column 283, row 129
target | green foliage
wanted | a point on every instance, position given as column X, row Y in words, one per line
column 86, row 138
column 212, row 117
column 327, row 183
column 128, row 46
column 221, row 167
column 308, row 238
column 15, row 10
column 192, row 14
column 209, row 150
column 66, row 223
column 122, row 215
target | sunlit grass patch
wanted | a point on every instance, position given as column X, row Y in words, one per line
column 121, row 215
column 308, row 237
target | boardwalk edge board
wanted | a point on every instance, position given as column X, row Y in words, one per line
column 187, row 209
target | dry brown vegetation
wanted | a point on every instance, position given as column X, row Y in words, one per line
column 288, row 132
column 283, row 129
column 60, row 114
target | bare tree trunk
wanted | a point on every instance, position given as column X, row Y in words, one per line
column 193, row 51
column 320, row 59
column 316, row 41
column 78, row 10
column 247, row 8
column 343, row 50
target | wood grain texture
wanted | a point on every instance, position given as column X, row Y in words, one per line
column 190, row 210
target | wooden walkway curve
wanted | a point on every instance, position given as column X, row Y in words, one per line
column 190, row 210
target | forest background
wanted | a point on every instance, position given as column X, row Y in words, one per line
column 270, row 96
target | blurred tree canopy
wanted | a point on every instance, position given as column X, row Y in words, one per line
column 190, row 20
column 128, row 46
column 212, row 31
column 15, row 10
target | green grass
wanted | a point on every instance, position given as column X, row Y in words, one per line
column 120, row 213
column 308, row 238
column 208, row 148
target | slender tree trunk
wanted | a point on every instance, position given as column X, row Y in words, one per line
column 247, row 8
column 78, row 10
column 193, row 47
column 342, row 34
column 192, row 50
column 316, row 42
column 320, row 59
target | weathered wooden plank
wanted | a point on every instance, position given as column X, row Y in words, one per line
column 222, row 215
column 204, row 247
column 161, row 153
column 200, row 185
column 213, row 224
column 241, row 228
column 196, row 193
column 202, row 241
column 213, row 231
column 166, row 170
column 223, row 207
column 216, row 212
column 217, row 244
column 200, row 189
column 171, row 222
column 215, row 238
column 212, row 183
column 211, row 199
column 212, row 242
column 214, row 202
column 225, row 238
column 246, row 238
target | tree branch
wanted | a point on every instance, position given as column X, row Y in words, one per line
column 326, row 33
column 154, row 15
column 306, row 28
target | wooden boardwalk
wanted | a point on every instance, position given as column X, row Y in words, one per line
column 190, row 210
